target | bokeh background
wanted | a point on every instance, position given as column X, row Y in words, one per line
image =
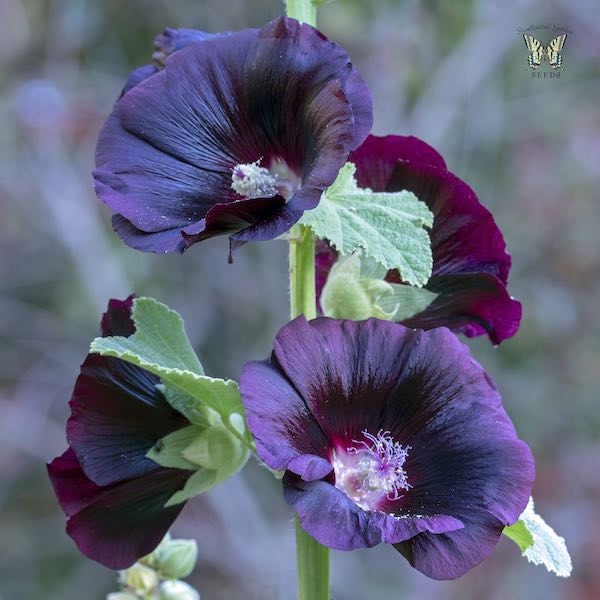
column 452, row 73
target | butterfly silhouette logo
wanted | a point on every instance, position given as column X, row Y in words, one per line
column 538, row 52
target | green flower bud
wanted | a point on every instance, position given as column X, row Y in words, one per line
column 140, row 578
column 177, row 558
column 177, row 590
column 216, row 448
column 348, row 295
column 151, row 560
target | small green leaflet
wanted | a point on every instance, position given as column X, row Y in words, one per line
column 539, row 543
column 389, row 227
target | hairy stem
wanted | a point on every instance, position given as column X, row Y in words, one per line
column 312, row 557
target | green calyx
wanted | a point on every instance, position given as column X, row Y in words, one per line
column 356, row 290
column 347, row 295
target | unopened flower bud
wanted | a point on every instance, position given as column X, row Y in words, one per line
column 140, row 578
column 151, row 560
column 177, row 590
column 347, row 295
column 177, row 558
column 217, row 448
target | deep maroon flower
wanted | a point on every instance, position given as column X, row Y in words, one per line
column 389, row 434
column 114, row 496
column 238, row 134
column 470, row 263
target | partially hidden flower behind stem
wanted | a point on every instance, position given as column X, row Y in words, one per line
column 470, row 262
column 389, row 434
column 178, row 156
column 113, row 495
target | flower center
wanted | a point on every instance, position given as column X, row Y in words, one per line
column 372, row 470
column 253, row 181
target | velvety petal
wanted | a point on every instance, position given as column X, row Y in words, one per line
column 160, row 242
column 329, row 516
column 117, row 415
column 165, row 156
column 171, row 40
column 117, row 318
column 451, row 555
column 325, row 258
column 465, row 459
column 118, row 524
column 283, row 427
column 341, row 368
column 377, row 158
column 137, row 76
column 359, row 96
column 151, row 189
column 464, row 237
column 472, row 303
column 166, row 44
column 72, row 488
column 231, row 218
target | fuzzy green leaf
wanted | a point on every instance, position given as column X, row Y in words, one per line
column 159, row 340
column 389, row 227
column 539, row 543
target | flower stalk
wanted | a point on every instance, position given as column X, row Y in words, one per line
column 302, row 273
column 312, row 558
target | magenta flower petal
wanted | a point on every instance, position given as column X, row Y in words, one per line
column 283, row 97
column 116, row 524
column 114, row 496
column 420, row 452
column 470, row 263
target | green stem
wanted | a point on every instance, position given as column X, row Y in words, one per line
column 313, row 566
column 312, row 558
column 302, row 273
column 304, row 11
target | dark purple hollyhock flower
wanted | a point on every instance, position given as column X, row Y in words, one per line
column 389, row 434
column 238, row 134
column 114, row 496
column 470, row 263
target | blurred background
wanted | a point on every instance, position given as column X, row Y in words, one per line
column 452, row 73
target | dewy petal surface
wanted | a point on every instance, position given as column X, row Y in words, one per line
column 282, row 95
column 470, row 263
column 467, row 473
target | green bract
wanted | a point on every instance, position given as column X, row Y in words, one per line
column 539, row 543
column 389, row 227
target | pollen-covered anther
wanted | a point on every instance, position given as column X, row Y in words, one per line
column 372, row 470
column 253, row 181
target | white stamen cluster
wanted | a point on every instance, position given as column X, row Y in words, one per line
column 372, row 470
column 253, row 181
